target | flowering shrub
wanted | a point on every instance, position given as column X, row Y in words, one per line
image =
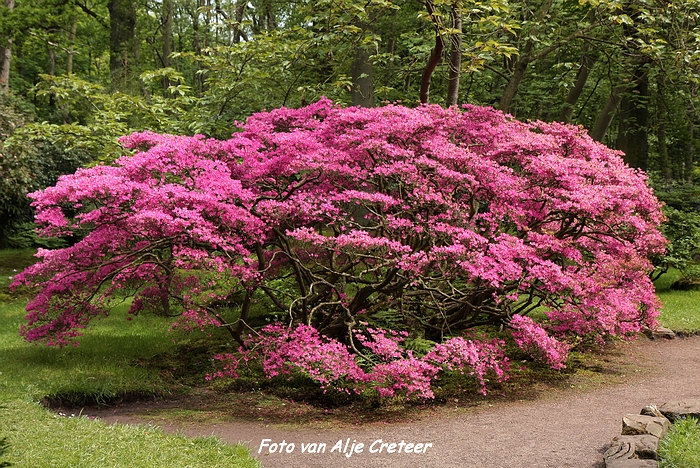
column 431, row 220
column 532, row 338
column 281, row 350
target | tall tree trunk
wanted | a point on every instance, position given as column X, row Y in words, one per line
column 455, row 57
column 606, row 116
column 689, row 150
column 632, row 137
column 52, row 60
column 512, row 87
column 167, row 39
column 362, row 94
column 664, row 163
column 662, row 118
column 238, row 33
column 587, row 62
column 524, row 59
column 270, row 19
column 122, row 17
column 71, row 46
column 434, row 58
column 6, row 55
column 167, row 32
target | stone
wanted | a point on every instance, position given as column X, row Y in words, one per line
column 652, row 410
column 674, row 410
column 662, row 333
column 638, row 424
column 659, row 333
column 638, row 446
column 631, row 463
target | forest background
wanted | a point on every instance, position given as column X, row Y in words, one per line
column 77, row 74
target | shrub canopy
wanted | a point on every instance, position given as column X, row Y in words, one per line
column 429, row 220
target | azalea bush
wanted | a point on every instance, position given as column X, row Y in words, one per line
column 426, row 221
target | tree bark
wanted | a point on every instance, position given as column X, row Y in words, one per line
column 167, row 39
column 523, row 61
column 71, row 50
column 361, row 93
column 689, row 150
column 238, row 33
column 587, row 62
column 455, row 58
column 632, row 137
column 664, row 163
column 512, row 87
column 435, row 56
column 665, row 167
column 122, row 17
column 167, row 32
column 606, row 115
column 6, row 55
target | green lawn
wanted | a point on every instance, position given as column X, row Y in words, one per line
column 104, row 366
column 681, row 309
column 680, row 448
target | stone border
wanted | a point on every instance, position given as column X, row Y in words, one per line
column 637, row 446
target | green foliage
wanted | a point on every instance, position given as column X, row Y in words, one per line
column 682, row 229
column 29, row 163
column 680, row 448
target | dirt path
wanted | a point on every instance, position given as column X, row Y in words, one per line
column 565, row 430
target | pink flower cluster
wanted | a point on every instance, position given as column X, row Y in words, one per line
column 439, row 219
column 395, row 371
column 534, row 340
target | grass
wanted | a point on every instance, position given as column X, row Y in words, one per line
column 107, row 365
column 119, row 360
column 680, row 448
column 681, row 309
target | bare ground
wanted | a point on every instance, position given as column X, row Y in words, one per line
column 558, row 429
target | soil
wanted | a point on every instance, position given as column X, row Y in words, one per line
column 558, row 429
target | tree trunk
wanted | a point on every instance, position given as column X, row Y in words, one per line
column 584, row 70
column 435, row 56
column 361, row 93
column 270, row 19
column 662, row 119
column 526, row 56
column 167, row 32
column 122, row 17
column 238, row 33
column 455, row 58
column 6, row 55
column 512, row 86
column 52, row 60
column 606, row 115
column 167, row 39
column 664, row 163
column 632, row 137
column 71, row 44
column 689, row 150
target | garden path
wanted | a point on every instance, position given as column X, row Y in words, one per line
column 564, row 429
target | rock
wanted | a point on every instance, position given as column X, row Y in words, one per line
column 631, row 463
column 637, row 424
column 638, row 446
column 674, row 410
column 652, row 410
column 660, row 333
